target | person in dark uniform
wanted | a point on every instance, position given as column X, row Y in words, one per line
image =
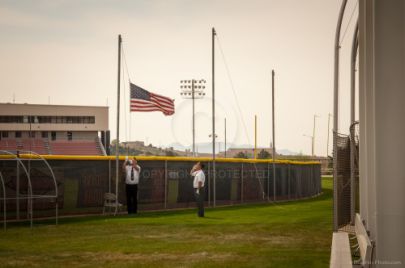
column 132, row 171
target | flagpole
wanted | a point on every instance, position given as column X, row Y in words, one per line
column 117, row 169
column 274, row 135
column 213, row 114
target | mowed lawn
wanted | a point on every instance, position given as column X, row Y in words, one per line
column 293, row 234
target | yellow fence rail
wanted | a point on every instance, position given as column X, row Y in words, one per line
column 162, row 158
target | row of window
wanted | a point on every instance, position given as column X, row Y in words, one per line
column 47, row 119
column 44, row 134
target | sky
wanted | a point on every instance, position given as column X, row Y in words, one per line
column 65, row 52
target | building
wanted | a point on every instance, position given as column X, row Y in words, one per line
column 380, row 218
column 54, row 129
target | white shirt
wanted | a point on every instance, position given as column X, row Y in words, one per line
column 128, row 175
column 199, row 176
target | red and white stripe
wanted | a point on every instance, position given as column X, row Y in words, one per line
column 156, row 103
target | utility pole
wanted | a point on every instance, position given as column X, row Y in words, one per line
column 117, row 168
column 192, row 89
column 213, row 114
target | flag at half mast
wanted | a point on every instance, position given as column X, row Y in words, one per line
column 144, row 101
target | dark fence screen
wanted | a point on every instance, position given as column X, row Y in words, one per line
column 164, row 184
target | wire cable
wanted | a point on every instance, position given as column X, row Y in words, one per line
column 233, row 88
column 125, row 98
column 240, row 112
column 129, row 80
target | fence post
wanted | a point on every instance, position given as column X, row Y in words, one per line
column 297, row 182
column 109, row 175
column 288, row 181
column 166, row 184
column 241, row 186
column 268, row 182
column 18, row 192
column 274, row 181
column 209, row 184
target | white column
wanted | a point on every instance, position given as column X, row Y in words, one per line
column 382, row 126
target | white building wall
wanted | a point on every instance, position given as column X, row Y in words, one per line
column 99, row 112
column 382, row 127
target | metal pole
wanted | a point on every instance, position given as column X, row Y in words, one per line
column 209, row 184
column 117, row 169
column 18, row 191
column 241, row 185
column 274, row 134
column 352, row 123
column 109, row 175
column 213, row 114
column 225, row 138
column 289, row 182
column 165, row 184
column 192, row 95
column 4, row 202
column 336, row 112
column 268, row 181
column 355, row 45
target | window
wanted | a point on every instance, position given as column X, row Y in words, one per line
column 34, row 119
column 53, row 135
column 31, row 134
column 11, row 119
column 44, row 134
column 69, row 135
column 18, row 134
column 4, row 134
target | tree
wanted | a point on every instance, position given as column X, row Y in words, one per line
column 263, row 154
column 241, row 155
column 170, row 153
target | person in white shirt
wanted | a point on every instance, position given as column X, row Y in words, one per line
column 132, row 171
column 198, row 184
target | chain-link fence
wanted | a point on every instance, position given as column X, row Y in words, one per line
column 164, row 184
column 347, row 176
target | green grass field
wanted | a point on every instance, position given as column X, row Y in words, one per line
column 293, row 234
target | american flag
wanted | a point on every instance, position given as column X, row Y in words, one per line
column 145, row 101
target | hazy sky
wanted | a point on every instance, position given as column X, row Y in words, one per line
column 67, row 50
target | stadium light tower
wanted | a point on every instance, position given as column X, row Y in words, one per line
column 192, row 89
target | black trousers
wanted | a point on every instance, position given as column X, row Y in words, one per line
column 199, row 198
column 132, row 198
